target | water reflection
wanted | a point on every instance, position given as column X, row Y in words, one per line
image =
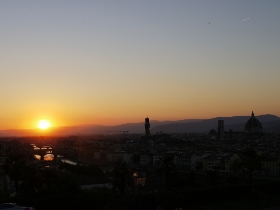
column 68, row 161
column 37, row 157
column 47, row 157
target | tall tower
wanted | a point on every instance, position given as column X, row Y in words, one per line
column 147, row 126
column 221, row 130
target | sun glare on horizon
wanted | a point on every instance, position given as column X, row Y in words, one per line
column 44, row 124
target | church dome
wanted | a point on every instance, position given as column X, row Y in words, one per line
column 253, row 125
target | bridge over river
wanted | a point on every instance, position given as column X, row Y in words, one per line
column 48, row 151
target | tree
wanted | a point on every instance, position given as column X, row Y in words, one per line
column 248, row 163
column 136, row 158
column 212, row 177
column 121, row 178
column 192, row 179
column 167, row 168
column 13, row 167
column 31, row 179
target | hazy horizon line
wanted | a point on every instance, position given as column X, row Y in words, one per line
column 103, row 125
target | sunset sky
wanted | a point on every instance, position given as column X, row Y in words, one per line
column 112, row 62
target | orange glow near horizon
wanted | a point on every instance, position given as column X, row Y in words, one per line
column 60, row 118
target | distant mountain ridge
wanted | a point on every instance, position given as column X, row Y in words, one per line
column 236, row 123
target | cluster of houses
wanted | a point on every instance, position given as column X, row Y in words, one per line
column 190, row 151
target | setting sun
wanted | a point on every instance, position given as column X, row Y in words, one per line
column 44, row 124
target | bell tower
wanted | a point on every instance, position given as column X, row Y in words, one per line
column 147, row 126
column 221, row 130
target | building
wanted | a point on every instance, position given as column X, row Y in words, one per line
column 252, row 130
column 115, row 156
column 220, row 130
column 147, row 126
column 146, row 159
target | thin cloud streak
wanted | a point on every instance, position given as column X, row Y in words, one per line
column 244, row 19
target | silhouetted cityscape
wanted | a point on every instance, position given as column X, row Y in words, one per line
column 193, row 170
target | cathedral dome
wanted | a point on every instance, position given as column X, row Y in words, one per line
column 253, row 125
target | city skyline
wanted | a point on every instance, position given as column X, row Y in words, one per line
column 109, row 63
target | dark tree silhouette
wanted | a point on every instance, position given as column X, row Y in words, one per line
column 31, row 179
column 192, row 179
column 212, row 177
column 136, row 158
column 121, row 178
column 248, row 163
column 14, row 168
column 167, row 169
